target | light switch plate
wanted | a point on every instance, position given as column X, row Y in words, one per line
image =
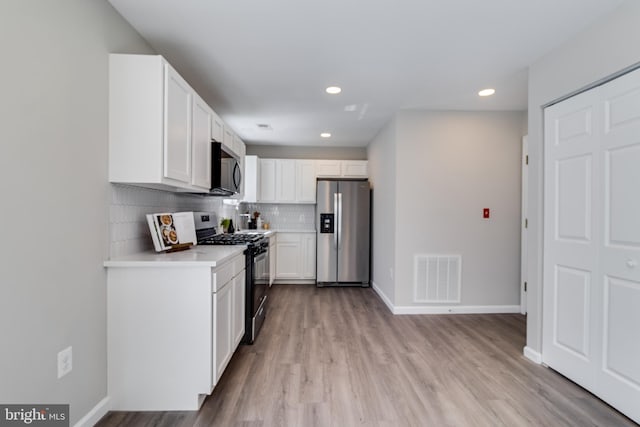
column 65, row 362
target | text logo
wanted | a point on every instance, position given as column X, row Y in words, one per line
column 34, row 415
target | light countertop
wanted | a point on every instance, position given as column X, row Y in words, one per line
column 196, row 256
column 269, row 232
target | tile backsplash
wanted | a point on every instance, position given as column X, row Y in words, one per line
column 128, row 229
column 284, row 216
column 129, row 205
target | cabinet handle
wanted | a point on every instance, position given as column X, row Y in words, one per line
column 632, row 263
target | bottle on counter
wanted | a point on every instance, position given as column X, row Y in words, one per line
column 230, row 229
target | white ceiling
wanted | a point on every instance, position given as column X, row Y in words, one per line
column 269, row 61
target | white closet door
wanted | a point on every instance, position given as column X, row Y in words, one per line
column 571, row 237
column 619, row 370
column 591, row 313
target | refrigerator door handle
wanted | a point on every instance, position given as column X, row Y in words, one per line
column 339, row 220
column 335, row 225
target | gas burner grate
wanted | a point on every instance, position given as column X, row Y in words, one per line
column 230, row 239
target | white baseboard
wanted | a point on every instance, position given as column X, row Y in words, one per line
column 444, row 309
column 95, row 414
column 532, row 355
column 457, row 309
column 382, row 296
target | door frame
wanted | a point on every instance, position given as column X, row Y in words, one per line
column 524, row 224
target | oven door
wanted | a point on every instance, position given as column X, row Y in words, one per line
column 257, row 305
column 260, row 281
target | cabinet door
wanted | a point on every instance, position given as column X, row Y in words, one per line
column 354, row 168
column 306, row 181
column 286, row 181
column 238, row 308
column 201, row 144
column 289, row 260
column 217, row 128
column 228, row 139
column 177, row 127
column 222, row 320
column 328, row 168
column 267, row 180
column 250, row 178
column 273, row 253
column 308, row 242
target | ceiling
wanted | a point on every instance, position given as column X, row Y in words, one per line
column 269, row 61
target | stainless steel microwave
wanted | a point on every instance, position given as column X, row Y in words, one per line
column 226, row 171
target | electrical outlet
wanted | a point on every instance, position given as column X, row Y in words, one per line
column 65, row 362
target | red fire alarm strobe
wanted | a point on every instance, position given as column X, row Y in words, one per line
column 486, row 213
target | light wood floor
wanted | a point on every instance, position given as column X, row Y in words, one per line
column 338, row 357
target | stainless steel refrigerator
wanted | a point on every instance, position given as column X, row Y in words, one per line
column 343, row 234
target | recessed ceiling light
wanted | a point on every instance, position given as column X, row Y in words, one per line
column 333, row 90
column 487, row 92
column 325, row 135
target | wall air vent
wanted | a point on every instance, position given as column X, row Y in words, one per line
column 437, row 278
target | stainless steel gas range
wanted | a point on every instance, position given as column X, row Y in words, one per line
column 256, row 262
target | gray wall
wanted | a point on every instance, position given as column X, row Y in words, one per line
column 432, row 174
column 53, row 178
column 606, row 47
column 451, row 165
column 382, row 176
column 328, row 153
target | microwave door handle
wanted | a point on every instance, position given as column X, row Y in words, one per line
column 236, row 173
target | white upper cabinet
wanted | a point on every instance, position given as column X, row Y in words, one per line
column 201, row 143
column 178, row 102
column 217, row 128
column 251, row 177
column 294, row 181
column 328, row 168
column 286, row 181
column 267, row 183
column 341, row 169
column 305, row 181
column 228, row 139
column 157, row 126
column 354, row 169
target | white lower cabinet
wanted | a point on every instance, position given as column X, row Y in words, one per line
column 273, row 256
column 289, row 261
column 308, row 245
column 239, row 292
column 222, row 325
column 228, row 313
column 171, row 332
column 296, row 257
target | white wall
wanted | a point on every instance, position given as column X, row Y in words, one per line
column 381, row 154
column 606, row 47
column 55, row 196
column 451, row 165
